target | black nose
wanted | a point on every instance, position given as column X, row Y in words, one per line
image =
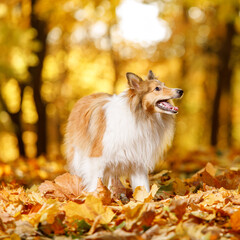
column 180, row 92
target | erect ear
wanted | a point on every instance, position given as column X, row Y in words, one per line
column 151, row 75
column 133, row 80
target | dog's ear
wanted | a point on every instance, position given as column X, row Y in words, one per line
column 151, row 75
column 133, row 80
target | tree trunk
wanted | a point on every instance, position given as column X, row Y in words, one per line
column 36, row 77
column 223, row 87
column 16, row 121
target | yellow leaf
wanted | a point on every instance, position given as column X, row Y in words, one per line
column 14, row 236
column 47, row 213
column 140, row 194
column 133, row 211
column 92, row 208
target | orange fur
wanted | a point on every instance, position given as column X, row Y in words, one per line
column 86, row 125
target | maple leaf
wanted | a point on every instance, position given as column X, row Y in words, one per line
column 90, row 209
column 65, row 186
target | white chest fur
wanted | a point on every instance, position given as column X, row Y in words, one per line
column 131, row 144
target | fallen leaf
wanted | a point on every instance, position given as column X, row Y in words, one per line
column 70, row 184
column 65, row 186
column 140, row 194
column 103, row 193
column 117, row 188
column 151, row 232
column 207, row 175
column 230, row 179
column 119, row 234
column 203, row 215
column 235, row 221
column 90, row 209
column 50, row 189
column 180, row 187
column 24, row 229
column 178, row 206
column 133, row 211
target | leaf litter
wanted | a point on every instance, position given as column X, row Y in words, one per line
column 203, row 206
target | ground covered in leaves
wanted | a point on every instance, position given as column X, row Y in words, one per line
column 182, row 203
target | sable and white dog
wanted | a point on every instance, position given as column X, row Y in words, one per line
column 109, row 136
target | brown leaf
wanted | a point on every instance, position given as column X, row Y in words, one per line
column 50, row 189
column 103, row 193
column 64, row 187
column 230, row 179
column 151, row 232
column 207, row 175
column 117, row 188
column 179, row 187
column 178, row 207
column 146, row 219
column 70, row 184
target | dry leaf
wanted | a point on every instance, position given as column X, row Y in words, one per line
column 92, row 208
column 65, row 186
column 133, row 211
column 178, row 207
column 235, row 221
column 24, row 229
column 103, row 193
column 207, row 175
column 180, row 188
column 140, row 194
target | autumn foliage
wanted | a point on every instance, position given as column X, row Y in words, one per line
column 205, row 205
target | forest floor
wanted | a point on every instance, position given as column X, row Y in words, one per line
column 196, row 196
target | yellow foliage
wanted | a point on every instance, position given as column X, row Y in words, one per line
column 11, row 95
column 28, row 107
column 92, row 208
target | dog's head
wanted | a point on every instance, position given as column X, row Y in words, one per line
column 152, row 94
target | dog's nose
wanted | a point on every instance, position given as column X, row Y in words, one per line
column 180, row 92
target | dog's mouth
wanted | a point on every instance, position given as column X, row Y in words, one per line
column 166, row 106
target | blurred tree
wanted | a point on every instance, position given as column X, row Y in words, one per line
column 224, row 80
column 36, row 79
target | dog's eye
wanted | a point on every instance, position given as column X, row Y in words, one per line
column 157, row 89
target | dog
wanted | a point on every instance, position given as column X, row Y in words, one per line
column 108, row 136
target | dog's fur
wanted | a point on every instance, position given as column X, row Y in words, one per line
column 109, row 136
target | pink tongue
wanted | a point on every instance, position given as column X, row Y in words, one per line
column 170, row 106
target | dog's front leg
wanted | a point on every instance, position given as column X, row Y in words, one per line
column 139, row 179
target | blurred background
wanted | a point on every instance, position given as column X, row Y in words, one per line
column 54, row 52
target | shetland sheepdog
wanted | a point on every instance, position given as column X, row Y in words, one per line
column 109, row 136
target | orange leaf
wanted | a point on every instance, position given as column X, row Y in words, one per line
column 235, row 221
column 103, row 193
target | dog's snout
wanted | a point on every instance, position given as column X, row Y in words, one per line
column 180, row 92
